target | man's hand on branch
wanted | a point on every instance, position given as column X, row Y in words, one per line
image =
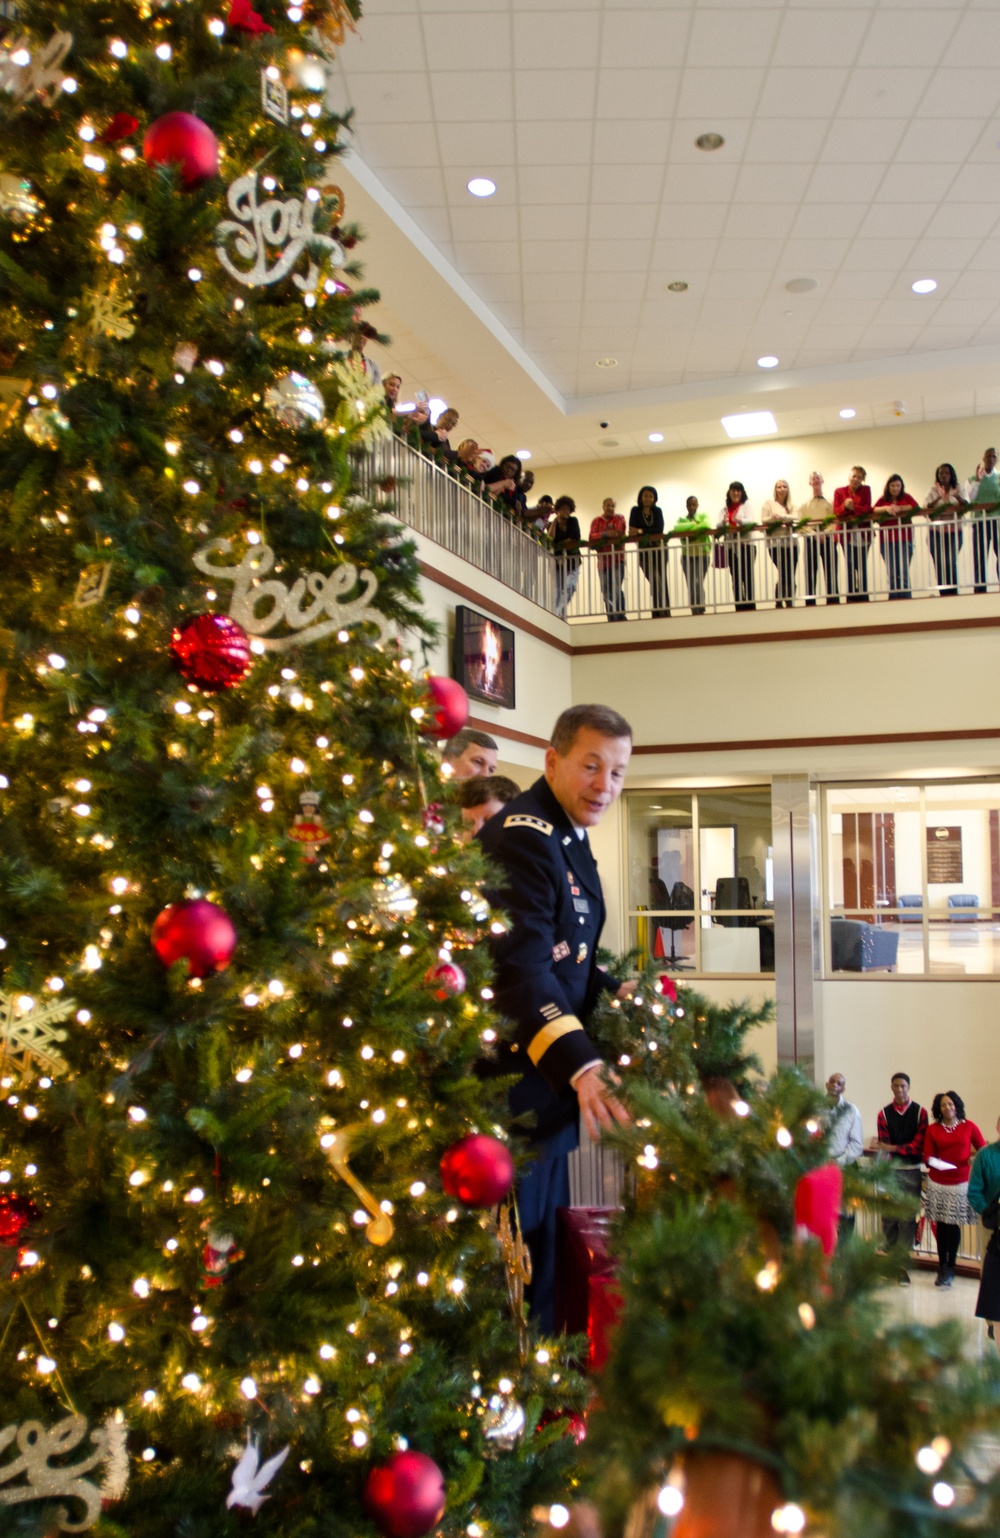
column 599, row 1106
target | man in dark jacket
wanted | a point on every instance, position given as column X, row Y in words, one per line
column 547, row 979
column 902, row 1127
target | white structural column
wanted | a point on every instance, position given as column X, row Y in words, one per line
column 796, row 916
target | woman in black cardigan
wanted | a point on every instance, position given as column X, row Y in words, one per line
column 645, row 523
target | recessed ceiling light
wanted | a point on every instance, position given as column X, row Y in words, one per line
column 608, row 443
column 800, row 285
column 768, row 361
column 678, row 286
column 522, row 453
column 481, row 187
column 848, row 412
column 656, row 437
column 925, row 286
column 753, row 424
column 606, row 362
column 709, row 141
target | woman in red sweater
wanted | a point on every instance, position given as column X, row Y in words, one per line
column 948, row 1148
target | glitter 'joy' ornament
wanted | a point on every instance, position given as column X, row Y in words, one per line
column 478, row 1170
column 17, row 199
column 445, row 980
column 41, row 1463
column 447, row 710
column 405, row 1496
column 44, row 424
column 503, row 1423
column 295, row 402
column 212, row 651
column 196, row 931
column 16, row 1212
column 183, row 140
column 307, row 829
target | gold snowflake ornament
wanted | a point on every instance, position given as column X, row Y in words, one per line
column 29, row 1036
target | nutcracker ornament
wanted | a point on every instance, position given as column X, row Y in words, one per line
column 218, row 1254
column 307, row 828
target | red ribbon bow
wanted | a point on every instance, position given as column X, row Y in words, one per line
column 668, row 987
column 122, row 126
column 242, row 14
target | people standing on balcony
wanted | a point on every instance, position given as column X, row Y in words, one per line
column 852, row 507
column 565, row 533
column 895, row 536
column 607, row 532
column 902, row 1127
column 696, row 552
column 821, row 545
column 540, row 515
column 504, row 483
column 391, row 386
column 983, row 490
column 467, row 457
column 435, row 434
column 777, row 517
column 739, row 553
column 645, row 524
column 984, row 1193
column 949, row 1145
column 945, row 502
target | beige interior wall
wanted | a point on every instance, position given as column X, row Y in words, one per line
column 910, row 449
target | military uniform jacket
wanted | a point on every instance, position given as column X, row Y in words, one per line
column 547, row 979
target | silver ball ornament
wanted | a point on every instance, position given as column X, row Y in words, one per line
column 17, row 199
column 503, row 1422
column 295, row 401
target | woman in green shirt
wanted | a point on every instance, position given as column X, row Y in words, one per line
column 984, row 1187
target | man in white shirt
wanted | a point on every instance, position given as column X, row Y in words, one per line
column 846, row 1139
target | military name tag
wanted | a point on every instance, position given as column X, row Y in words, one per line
column 560, row 951
column 581, row 905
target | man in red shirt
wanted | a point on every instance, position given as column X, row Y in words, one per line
column 608, row 533
column 852, row 507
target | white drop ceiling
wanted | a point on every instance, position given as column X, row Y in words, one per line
column 861, row 152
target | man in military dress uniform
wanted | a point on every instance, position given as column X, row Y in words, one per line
column 547, row 978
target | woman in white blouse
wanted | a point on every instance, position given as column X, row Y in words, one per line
column 777, row 517
column 735, row 516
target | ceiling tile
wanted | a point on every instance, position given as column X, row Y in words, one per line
column 738, row 283
column 814, row 220
column 564, row 286
column 698, row 220
column 624, row 184
column 709, row 183
column 974, row 39
column 388, row 42
column 484, row 222
column 558, row 222
column 547, row 95
column 963, row 312
column 435, row 223
column 488, row 145
column 802, row 92
column 615, row 312
column 862, row 139
column 844, row 183
column 884, row 92
column 859, row 284
column 553, row 315
column 391, row 98
column 771, row 183
column 553, row 184
column 894, row 46
column 916, row 184
column 547, row 144
column 746, row 255
column 812, row 258
column 553, row 256
column 542, row 37
column 506, row 286
column 828, row 36
column 972, row 183
column 731, row 36
column 938, row 138
column 625, row 285
column 631, row 38
column 940, row 256
column 627, row 221
column 645, row 93
column 618, row 255
column 896, row 219
column 709, row 92
column 638, row 142
column 420, row 188
column 473, row 94
column 759, row 220
column 403, row 144
column 488, row 255
column 880, row 253
column 776, row 141
column 679, row 256
column 452, row 40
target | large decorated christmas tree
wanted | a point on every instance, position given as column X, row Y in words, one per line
column 242, row 987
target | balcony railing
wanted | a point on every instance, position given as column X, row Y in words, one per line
column 707, row 573
column 433, row 502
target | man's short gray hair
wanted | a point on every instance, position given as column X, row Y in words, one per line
column 468, row 737
column 596, row 718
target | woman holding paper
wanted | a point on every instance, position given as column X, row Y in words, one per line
column 949, row 1145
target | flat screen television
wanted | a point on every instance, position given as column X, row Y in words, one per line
column 483, row 658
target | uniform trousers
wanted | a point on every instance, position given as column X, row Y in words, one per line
column 543, row 1189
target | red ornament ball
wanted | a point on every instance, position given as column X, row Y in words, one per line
column 16, row 1212
column 183, row 140
column 198, row 932
column 212, row 651
column 445, row 981
column 448, row 708
column 405, row 1497
column 478, row 1170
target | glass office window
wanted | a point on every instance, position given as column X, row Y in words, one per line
column 913, row 879
column 700, row 879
